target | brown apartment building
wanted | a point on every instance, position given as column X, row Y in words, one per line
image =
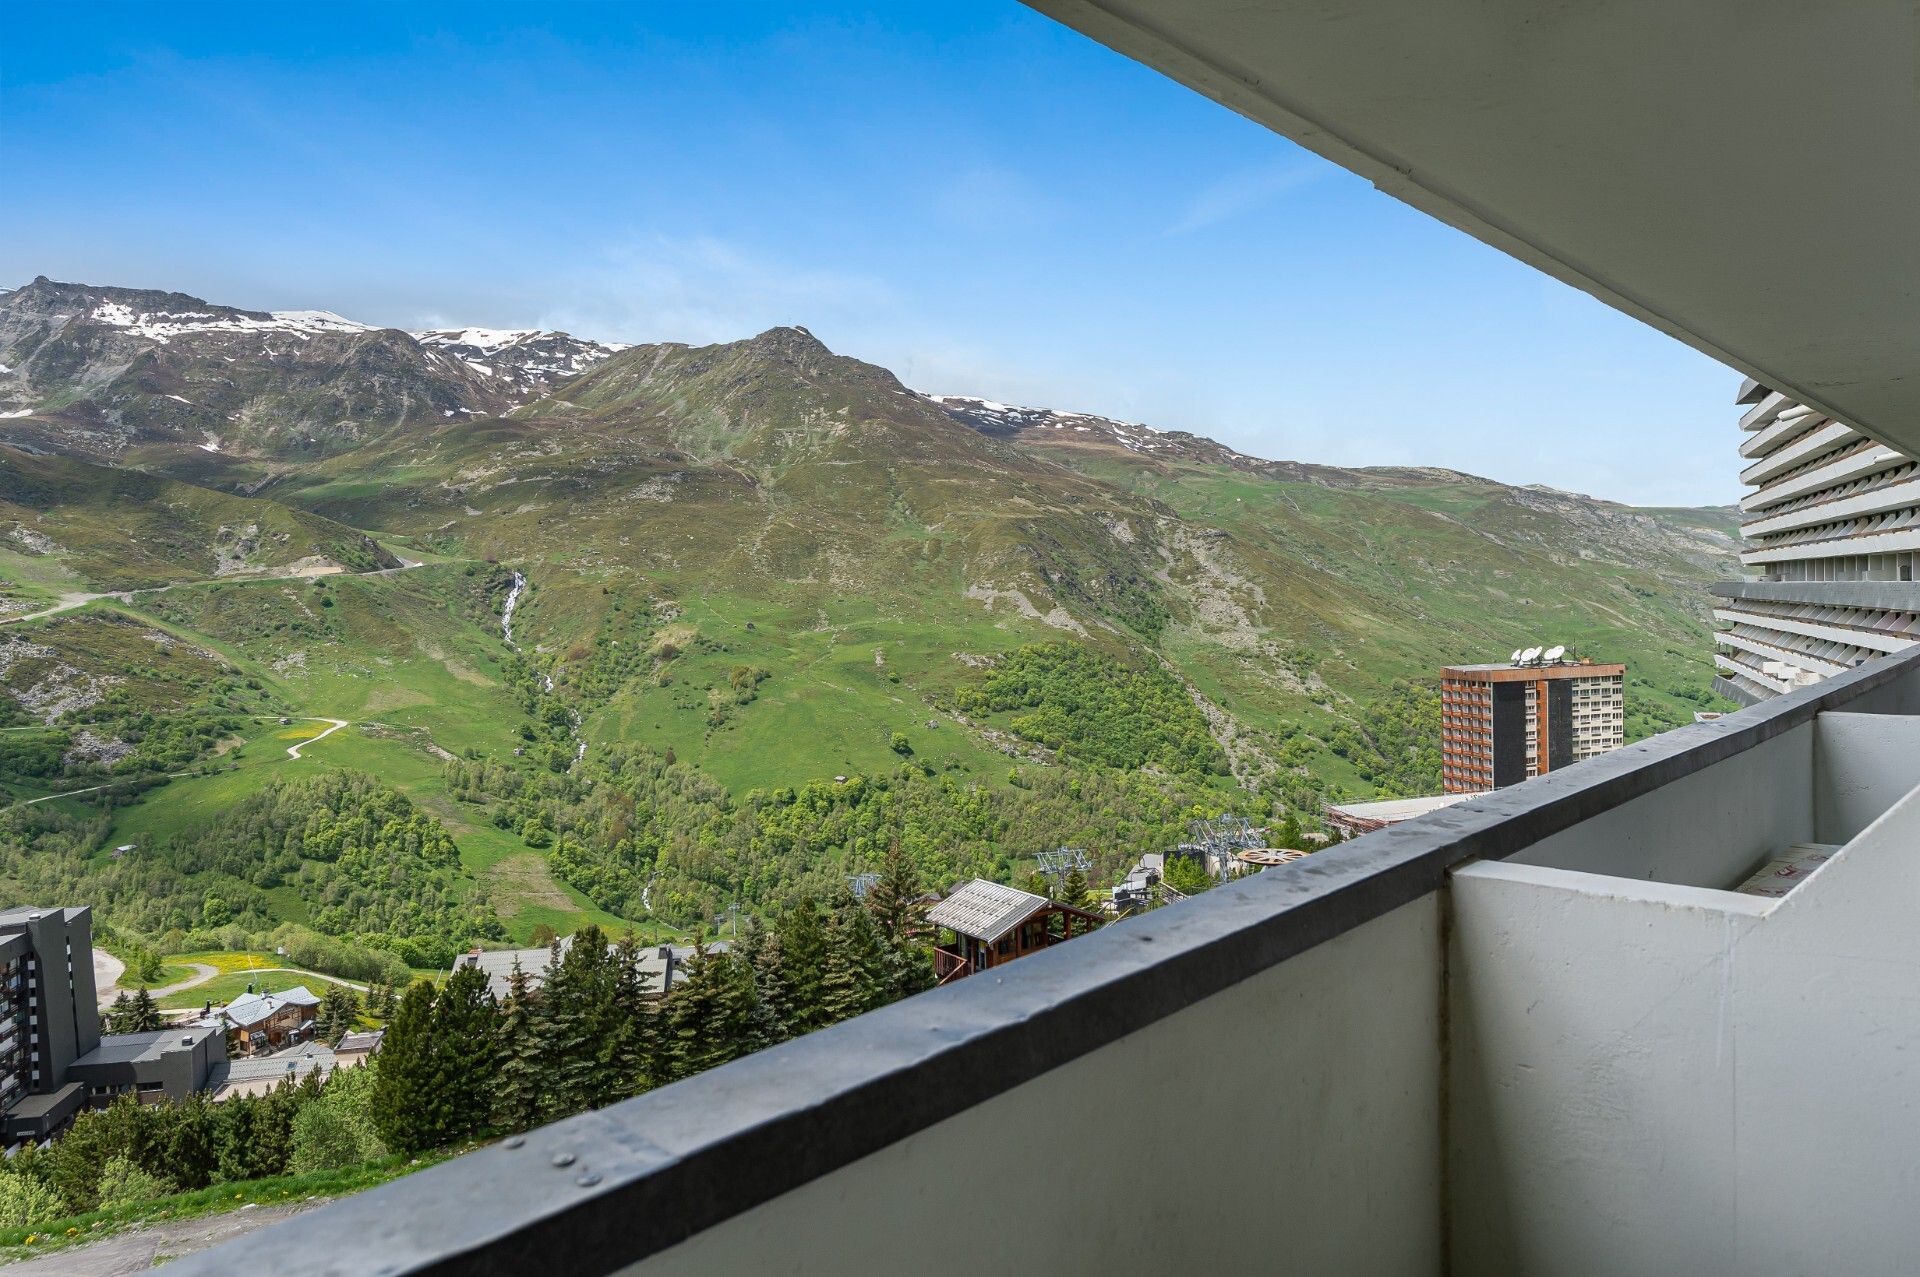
column 1501, row 724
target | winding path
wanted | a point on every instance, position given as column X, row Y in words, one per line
column 68, row 602
column 293, row 751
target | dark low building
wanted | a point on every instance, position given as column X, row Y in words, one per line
column 48, row 1016
column 164, row 1065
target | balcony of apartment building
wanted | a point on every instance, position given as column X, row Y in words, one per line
column 1653, row 1012
column 1608, row 1021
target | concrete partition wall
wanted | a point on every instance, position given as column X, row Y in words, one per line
column 1290, row 1124
column 1656, row 1078
column 1702, row 829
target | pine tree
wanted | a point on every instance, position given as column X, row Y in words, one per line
column 271, row 1150
column 758, row 952
column 694, row 1039
column 855, row 978
column 1074, row 891
column 1287, row 835
column 118, row 1013
column 191, row 1155
column 233, row 1138
column 465, row 1066
column 894, row 897
column 143, row 1014
column 519, row 1086
column 579, row 997
column 406, row 1113
column 803, row 958
column 627, row 1061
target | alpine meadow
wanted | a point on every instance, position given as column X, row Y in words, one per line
column 406, row 642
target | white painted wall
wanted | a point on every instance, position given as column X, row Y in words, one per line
column 1705, row 829
column 1657, row 1078
column 1287, row 1125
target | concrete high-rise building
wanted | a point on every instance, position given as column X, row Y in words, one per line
column 48, row 1015
column 1832, row 539
column 1501, row 724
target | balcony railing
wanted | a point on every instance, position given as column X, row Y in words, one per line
column 1534, row 1032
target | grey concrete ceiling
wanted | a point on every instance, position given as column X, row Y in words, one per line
column 1742, row 174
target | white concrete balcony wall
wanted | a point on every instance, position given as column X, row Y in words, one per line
column 1653, row 1074
column 1288, row 1125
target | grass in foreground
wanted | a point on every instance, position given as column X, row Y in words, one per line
column 77, row 1230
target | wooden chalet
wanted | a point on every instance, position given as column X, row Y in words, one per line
column 983, row 924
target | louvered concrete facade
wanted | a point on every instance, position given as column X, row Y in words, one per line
column 1833, row 541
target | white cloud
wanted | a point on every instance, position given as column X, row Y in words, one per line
column 1243, row 192
column 702, row 289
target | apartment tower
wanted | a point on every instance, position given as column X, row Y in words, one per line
column 1832, row 535
column 1504, row 723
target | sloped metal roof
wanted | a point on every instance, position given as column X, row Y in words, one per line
column 985, row 910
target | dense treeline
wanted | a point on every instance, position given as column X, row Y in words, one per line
column 456, row 1065
column 635, row 829
column 360, row 856
column 378, row 875
column 130, row 1152
column 1086, row 705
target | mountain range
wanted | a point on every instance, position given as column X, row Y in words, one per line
column 773, row 562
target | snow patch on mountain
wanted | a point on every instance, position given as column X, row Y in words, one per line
column 164, row 326
column 999, row 418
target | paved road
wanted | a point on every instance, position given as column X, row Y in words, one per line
column 201, row 974
column 107, row 971
column 139, row 1249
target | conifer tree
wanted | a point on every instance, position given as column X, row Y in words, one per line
column 191, row 1157
column 233, row 1138
column 116, row 1018
column 143, row 1013
column 803, row 958
column 758, row 952
column 579, row 997
column 855, row 977
column 1074, row 891
column 627, row 1060
column 696, row 1038
column 894, row 896
column 272, row 1147
column 518, row 1099
column 406, row 1113
column 464, row 1065
column 1286, row 836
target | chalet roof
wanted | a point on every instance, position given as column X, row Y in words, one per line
column 985, row 910
column 252, row 1008
column 295, row 1063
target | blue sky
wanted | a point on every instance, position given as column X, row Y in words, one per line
column 983, row 201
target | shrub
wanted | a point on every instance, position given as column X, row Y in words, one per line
column 122, row 1183
column 26, row 1201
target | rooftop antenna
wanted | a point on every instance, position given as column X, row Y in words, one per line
column 1554, row 654
column 1515, row 658
column 1529, row 656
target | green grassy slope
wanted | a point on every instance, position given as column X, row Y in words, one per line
column 777, row 565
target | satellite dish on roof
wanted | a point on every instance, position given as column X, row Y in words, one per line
column 1554, row 654
column 1515, row 658
column 1529, row 656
